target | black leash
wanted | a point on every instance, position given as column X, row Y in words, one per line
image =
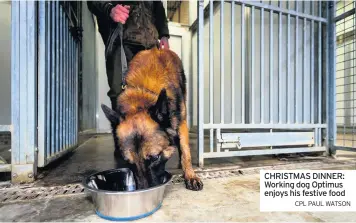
column 118, row 31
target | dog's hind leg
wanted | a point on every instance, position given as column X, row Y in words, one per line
column 192, row 182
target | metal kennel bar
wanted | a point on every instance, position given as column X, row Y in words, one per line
column 23, row 90
column 23, row 93
column 58, row 80
column 265, row 82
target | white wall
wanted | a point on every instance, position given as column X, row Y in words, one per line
column 5, row 63
column 102, row 124
column 89, row 81
column 180, row 43
column 193, row 10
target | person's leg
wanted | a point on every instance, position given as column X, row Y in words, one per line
column 114, row 74
column 131, row 50
column 114, row 70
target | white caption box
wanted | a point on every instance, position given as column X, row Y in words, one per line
column 307, row 190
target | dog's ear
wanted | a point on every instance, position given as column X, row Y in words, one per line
column 160, row 112
column 111, row 115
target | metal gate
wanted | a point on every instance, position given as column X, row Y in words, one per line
column 343, row 98
column 45, row 56
column 261, row 77
column 58, row 61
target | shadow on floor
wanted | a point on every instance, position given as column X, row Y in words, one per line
column 96, row 154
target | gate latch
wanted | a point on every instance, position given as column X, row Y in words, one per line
column 238, row 143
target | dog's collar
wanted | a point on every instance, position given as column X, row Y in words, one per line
column 126, row 86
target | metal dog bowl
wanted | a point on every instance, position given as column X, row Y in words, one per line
column 115, row 198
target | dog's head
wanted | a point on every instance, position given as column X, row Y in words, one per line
column 142, row 139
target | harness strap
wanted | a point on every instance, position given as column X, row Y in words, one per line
column 123, row 57
column 118, row 31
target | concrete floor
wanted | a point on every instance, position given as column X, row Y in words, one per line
column 96, row 154
column 234, row 199
column 223, row 199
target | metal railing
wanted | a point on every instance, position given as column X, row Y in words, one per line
column 264, row 95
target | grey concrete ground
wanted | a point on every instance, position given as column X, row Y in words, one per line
column 234, row 199
column 96, row 154
column 223, row 199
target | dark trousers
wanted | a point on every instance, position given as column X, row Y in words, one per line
column 114, row 70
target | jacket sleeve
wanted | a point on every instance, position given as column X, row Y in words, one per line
column 100, row 9
column 161, row 21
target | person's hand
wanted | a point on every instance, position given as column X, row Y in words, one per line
column 163, row 43
column 120, row 13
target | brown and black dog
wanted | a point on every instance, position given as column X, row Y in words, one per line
column 150, row 120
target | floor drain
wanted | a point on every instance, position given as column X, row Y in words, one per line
column 24, row 194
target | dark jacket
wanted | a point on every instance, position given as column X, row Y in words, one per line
column 147, row 21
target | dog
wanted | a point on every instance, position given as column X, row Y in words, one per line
column 150, row 121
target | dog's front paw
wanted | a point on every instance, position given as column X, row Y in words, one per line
column 193, row 183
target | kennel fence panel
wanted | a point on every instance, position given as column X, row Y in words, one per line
column 260, row 77
column 58, row 57
column 344, row 97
